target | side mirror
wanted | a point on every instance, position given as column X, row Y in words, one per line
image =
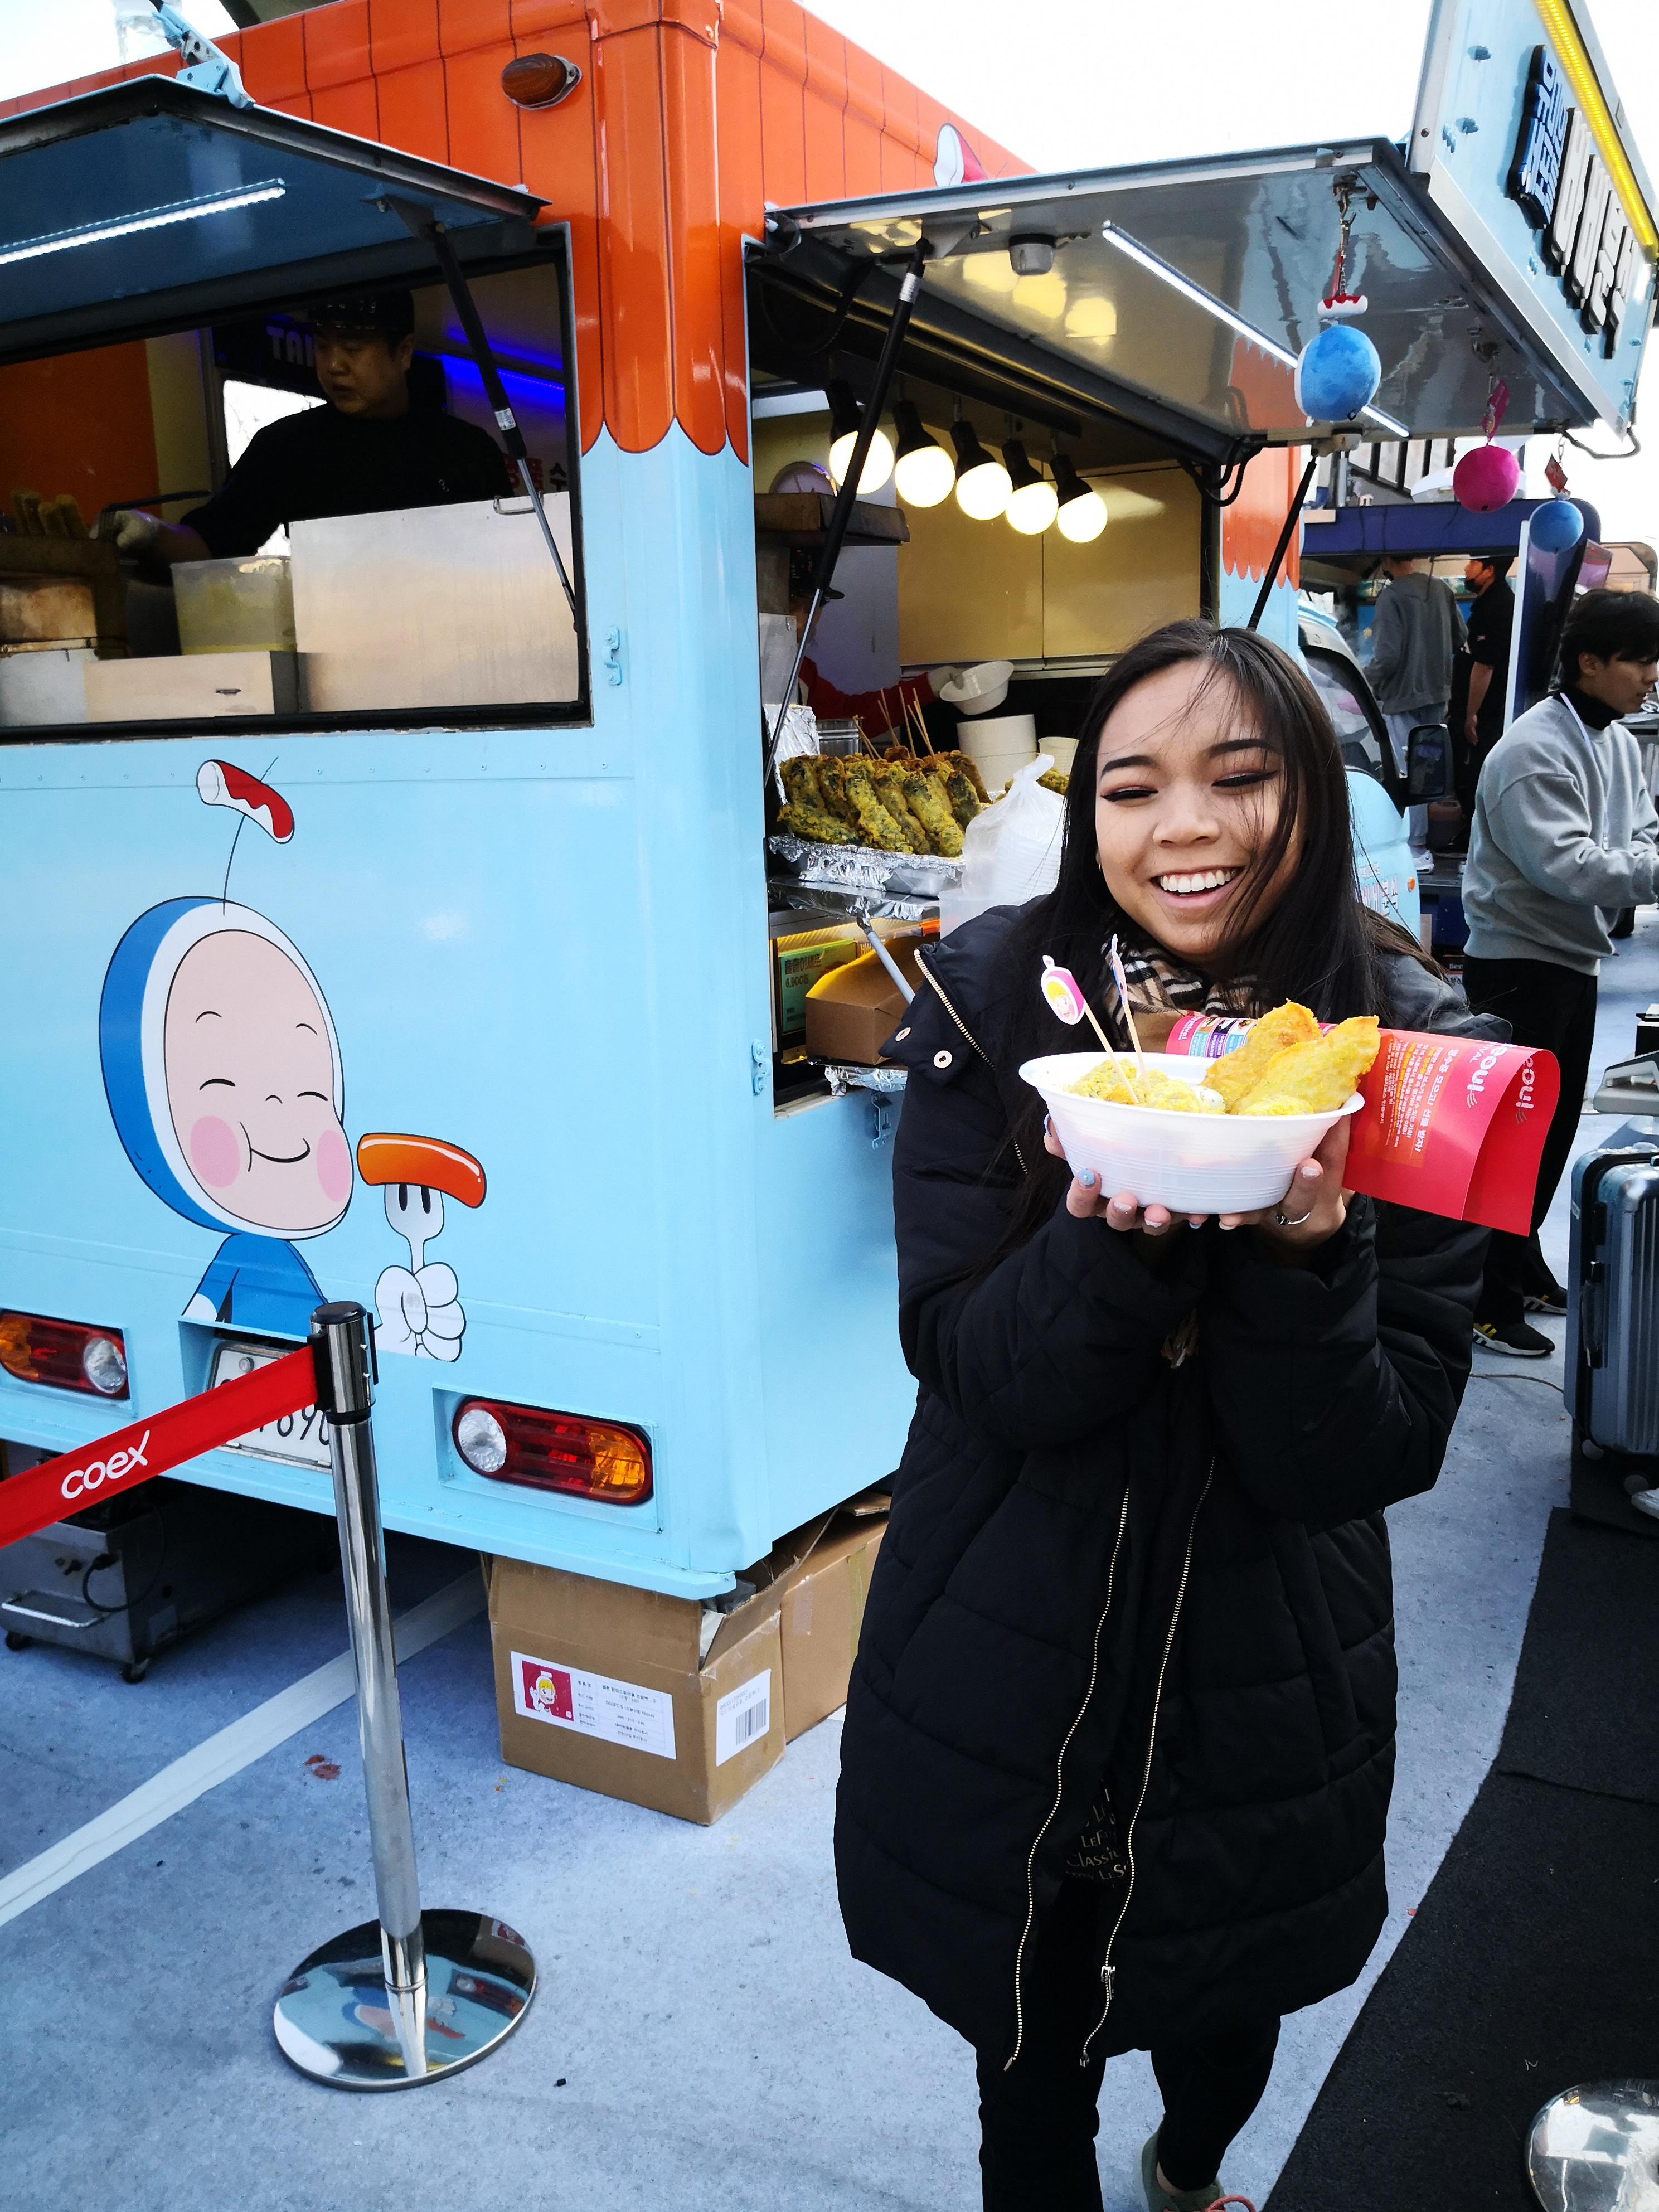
column 1428, row 764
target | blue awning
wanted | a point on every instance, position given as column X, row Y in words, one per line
column 152, row 204
column 1436, row 526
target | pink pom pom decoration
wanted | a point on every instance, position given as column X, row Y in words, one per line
column 1486, row 478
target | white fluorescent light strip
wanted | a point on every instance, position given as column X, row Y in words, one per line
column 60, row 241
column 1200, row 298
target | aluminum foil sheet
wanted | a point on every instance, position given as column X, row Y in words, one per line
column 843, row 1077
column 861, row 868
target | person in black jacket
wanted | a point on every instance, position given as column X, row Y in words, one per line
column 1120, row 1741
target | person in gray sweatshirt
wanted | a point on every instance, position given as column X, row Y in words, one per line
column 1415, row 632
column 1564, row 835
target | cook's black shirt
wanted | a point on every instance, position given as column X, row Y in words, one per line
column 323, row 462
column 1487, row 629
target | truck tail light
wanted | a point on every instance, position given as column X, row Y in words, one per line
column 554, row 1451
column 68, row 1355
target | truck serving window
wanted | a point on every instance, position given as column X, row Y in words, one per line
column 291, row 452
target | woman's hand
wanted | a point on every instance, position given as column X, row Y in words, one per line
column 1088, row 1201
column 1314, row 1207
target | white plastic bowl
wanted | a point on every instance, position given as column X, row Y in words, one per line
column 1191, row 1162
column 979, row 689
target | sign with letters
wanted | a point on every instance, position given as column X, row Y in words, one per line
column 1517, row 144
column 1561, row 186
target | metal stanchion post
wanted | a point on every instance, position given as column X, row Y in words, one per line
column 413, row 1996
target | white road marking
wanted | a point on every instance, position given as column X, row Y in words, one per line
column 226, row 1753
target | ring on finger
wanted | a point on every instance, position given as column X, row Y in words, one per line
column 1282, row 1221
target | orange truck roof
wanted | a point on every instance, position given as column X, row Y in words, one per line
column 691, row 115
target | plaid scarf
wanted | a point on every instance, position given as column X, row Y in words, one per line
column 1158, row 981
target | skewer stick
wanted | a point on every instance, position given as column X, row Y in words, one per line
column 1117, row 960
column 921, row 726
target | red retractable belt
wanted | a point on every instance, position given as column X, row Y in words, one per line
column 58, row 1487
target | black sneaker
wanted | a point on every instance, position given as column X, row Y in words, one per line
column 1517, row 1338
column 1551, row 1301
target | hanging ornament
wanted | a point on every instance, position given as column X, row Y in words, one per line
column 1337, row 373
column 1555, row 469
column 1556, row 526
column 1488, row 476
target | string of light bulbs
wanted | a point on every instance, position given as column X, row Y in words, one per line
column 925, row 475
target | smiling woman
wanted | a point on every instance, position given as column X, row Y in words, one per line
column 1116, row 1761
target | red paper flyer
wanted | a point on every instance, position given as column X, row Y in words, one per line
column 1453, row 1125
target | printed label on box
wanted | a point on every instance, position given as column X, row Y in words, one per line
column 593, row 1704
column 741, row 1717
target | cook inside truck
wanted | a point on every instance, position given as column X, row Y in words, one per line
column 370, row 449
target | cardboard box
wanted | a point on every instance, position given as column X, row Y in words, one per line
column 666, row 1702
column 823, row 1611
column 799, row 957
column 852, row 1011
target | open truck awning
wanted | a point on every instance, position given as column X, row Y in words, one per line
column 1196, row 283
column 153, row 205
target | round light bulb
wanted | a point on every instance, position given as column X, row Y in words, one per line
column 983, row 492
column 925, row 476
column 1032, row 508
column 877, row 462
column 1083, row 519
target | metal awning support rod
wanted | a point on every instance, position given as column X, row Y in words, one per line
column 422, row 223
column 1270, row 575
column 841, row 515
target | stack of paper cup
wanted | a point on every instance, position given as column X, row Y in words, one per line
column 1062, row 752
column 999, row 745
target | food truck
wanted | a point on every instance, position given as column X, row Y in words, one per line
column 395, row 907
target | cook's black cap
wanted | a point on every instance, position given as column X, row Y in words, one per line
column 388, row 315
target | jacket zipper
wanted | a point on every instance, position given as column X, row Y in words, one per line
column 1108, row 1971
column 972, row 1040
column 1060, row 1766
column 939, row 992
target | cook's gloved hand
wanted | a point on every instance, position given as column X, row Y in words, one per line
column 133, row 531
column 938, row 678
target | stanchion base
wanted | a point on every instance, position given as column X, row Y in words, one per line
column 333, row 2019
column 1595, row 2148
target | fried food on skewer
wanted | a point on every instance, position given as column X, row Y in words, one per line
column 832, row 783
column 960, row 793
column 888, row 783
column 1319, row 1076
column 816, row 826
column 877, row 825
column 1236, row 1072
column 800, row 782
column 930, row 804
column 970, row 768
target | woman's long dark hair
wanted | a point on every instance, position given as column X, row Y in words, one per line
column 1316, row 943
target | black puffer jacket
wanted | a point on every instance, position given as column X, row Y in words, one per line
column 1104, row 1566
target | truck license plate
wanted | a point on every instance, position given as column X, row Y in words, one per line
column 297, row 1439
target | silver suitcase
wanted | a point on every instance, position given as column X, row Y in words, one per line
column 1612, row 1377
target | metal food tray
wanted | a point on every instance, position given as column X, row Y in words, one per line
column 859, row 869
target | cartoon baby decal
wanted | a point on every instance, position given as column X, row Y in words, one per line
column 224, row 1074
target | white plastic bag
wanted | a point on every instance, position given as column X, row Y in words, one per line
column 1010, row 851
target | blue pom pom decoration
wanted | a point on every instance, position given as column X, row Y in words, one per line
column 1337, row 375
column 1557, row 527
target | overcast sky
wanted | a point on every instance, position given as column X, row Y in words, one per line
column 1090, row 83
